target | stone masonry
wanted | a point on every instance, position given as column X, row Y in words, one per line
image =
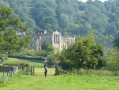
column 55, row 39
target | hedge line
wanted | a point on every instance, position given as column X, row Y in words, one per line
column 16, row 62
column 29, row 57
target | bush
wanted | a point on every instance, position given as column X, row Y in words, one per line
column 30, row 54
column 24, row 52
column 52, row 60
column 16, row 62
column 29, row 57
column 1, row 83
column 95, row 72
column 82, row 71
column 41, row 53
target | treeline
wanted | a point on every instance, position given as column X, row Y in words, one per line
column 88, row 54
column 71, row 17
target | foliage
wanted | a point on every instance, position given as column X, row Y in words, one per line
column 39, row 58
column 116, row 41
column 96, row 72
column 52, row 60
column 113, row 60
column 48, row 47
column 70, row 17
column 30, row 54
column 9, row 25
column 85, row 53
column 16, row 62
column 41, row 52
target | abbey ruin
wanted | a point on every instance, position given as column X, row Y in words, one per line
column 55, row 39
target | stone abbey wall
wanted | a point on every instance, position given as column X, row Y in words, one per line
column 55, row 39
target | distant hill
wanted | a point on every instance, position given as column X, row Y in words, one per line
column 71, row 17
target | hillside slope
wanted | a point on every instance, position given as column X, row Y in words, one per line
column 71, row 17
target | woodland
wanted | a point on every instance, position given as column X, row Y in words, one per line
column 70, row 17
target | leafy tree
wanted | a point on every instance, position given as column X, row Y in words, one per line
column 9, row 25
column 41, row 52
column 85, row 53
column 113, row 60
column 47, row 46
column 71, row 17
column 63, row 21
column 52, row 60
column 116, row 41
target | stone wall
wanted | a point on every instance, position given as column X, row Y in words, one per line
column 55, row 39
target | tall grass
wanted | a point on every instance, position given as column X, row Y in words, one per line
column 82, row 71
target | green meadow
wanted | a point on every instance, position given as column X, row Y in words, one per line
column 60, row 82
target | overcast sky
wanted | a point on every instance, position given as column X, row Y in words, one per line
column 86, row 0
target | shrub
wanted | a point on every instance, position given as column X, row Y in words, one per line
column 96, row 72
column 29, row 57
column 16, row 62
column 52, row 60
column 82, row 71
column 29, row 53
column 1, row 83
column 41, row 53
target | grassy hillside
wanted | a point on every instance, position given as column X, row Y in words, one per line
column 62, row 82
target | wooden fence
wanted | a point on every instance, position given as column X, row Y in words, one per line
column 30, row 70
column 59, row 70
column 8, row 71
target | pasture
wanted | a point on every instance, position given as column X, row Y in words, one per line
column 60, row 82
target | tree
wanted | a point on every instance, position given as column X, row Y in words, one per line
column 113, row 60
column 116, row 41
column 52, row 60
column 63, row 21
column 48, row 47
column 70, row 17
column 9, row 25
column 85, row 53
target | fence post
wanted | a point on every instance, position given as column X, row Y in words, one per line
column 33, row 70
column 10, row 71
column 3, row 74
column 7, row 69
column 56, row 70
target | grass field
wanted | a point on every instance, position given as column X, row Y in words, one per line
column 40, row 65
column 61, row 82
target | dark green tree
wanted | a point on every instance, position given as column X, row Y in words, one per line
column 116, row 41
column 9, row 25
column 85, row 53
column 112, row 60
column 52, row 60
column 47, row 46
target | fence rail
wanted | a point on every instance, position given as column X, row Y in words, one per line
column 30, row 70
column 8, row 71
column 6, row 68
column 59, row 70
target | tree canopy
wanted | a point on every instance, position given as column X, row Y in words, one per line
column 9, row 26
column 85, row 53
column 112, row 59
column 71, row 17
